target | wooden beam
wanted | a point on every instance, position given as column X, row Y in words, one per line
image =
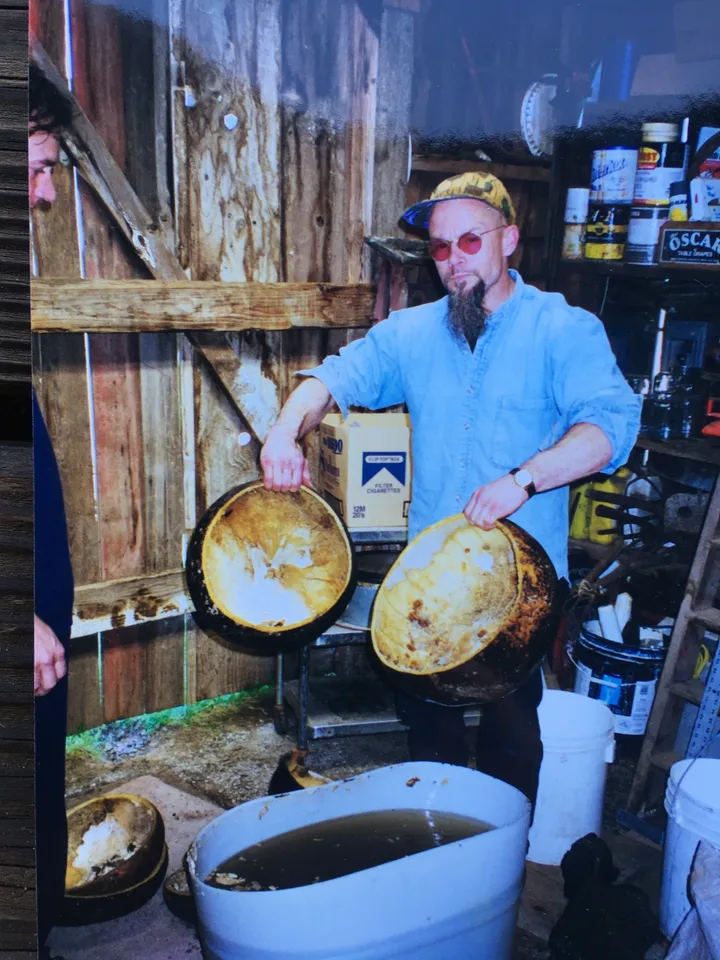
column 505, row 171
column 140, row 306
column 122, row 603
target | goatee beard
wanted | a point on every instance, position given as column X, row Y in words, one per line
column 467, row 315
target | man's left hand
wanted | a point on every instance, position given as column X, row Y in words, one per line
column 493, row 501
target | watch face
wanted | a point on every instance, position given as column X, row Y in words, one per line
column 523, row 478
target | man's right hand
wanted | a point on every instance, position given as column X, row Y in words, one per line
column 50, row 665
column 284, row 465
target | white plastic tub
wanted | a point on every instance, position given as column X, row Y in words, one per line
column 692, row 802
column 458, row 901
column 578, row 743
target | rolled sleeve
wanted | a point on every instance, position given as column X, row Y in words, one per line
column 366, row 373
column 590, row 388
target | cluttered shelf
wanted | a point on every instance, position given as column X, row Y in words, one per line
column 655, row 271
column 700, row 449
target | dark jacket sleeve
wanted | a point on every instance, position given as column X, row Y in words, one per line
column 53, row 570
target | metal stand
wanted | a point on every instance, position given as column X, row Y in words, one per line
column 340, row 706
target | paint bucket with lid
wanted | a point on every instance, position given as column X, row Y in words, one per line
column 660, row 163
column 613, row 175
column 576, row 205
column 643, row 233
column 692, row 802
column 619, row 675
column 578, row 743
column 606, row 232
column 576, row 213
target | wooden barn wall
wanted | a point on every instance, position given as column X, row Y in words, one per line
column 266, row 138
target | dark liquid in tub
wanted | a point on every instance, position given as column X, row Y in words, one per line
column 334, row 848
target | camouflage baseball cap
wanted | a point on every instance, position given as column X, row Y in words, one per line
column 471, row 186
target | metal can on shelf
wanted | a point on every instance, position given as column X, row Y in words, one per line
column 643, row 233
column 613, row 175
column 606, row 231
column 576, row 205
column 679, row 194
column 660, row 163
column 573, row 241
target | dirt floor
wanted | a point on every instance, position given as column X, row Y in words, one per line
column 228, row 752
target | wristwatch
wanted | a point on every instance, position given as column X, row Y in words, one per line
column 523, row 478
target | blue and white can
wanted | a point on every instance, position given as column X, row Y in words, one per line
column 613, row 175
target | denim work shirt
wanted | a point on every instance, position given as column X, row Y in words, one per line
column 540, row 367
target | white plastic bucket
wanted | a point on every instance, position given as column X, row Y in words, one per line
column 456, row 901
column 578, row 743
column 692, row 802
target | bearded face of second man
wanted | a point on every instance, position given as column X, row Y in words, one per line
column 471, row 279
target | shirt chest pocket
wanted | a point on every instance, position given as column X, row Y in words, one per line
column 522, row 428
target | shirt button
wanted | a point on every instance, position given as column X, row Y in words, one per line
column 462, row 463
column 470, row 390
column 466, row 426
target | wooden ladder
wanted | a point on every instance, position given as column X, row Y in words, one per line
column 676, row 686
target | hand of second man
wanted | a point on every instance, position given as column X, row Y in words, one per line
column 284, row 466
column 493, row 501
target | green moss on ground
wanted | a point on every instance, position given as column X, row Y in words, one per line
column 94, row 742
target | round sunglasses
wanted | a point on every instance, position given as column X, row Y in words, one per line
column 469, row 243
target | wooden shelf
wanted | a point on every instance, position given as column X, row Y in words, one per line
column 689, row 690
column 655, row 271
column 699, row 449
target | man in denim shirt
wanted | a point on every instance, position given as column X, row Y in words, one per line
column 512, row 395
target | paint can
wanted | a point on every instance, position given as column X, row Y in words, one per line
column 643, row 233
column 606, row 232
column 679, row 198
column 576, row 206
column 660, row 163
column 573, row 241
column 622, row 676
column 613, row 175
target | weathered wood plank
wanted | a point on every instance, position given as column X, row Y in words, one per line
column 62, row 389
column 165, row 657
column 222, row 668
column 60, row 365
column 130, row 601
column 316, row 113
column 17, row 759
column 120, row 466
column 360, row 150
column 17, row 721
column 232, row 65
column 246, row 381
column 392, row 147
column 17, row 931
column 113, row 362
column 124, row 671
column 85, row 710
column 163, row 493
column 151, row 305
column 221, row 462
